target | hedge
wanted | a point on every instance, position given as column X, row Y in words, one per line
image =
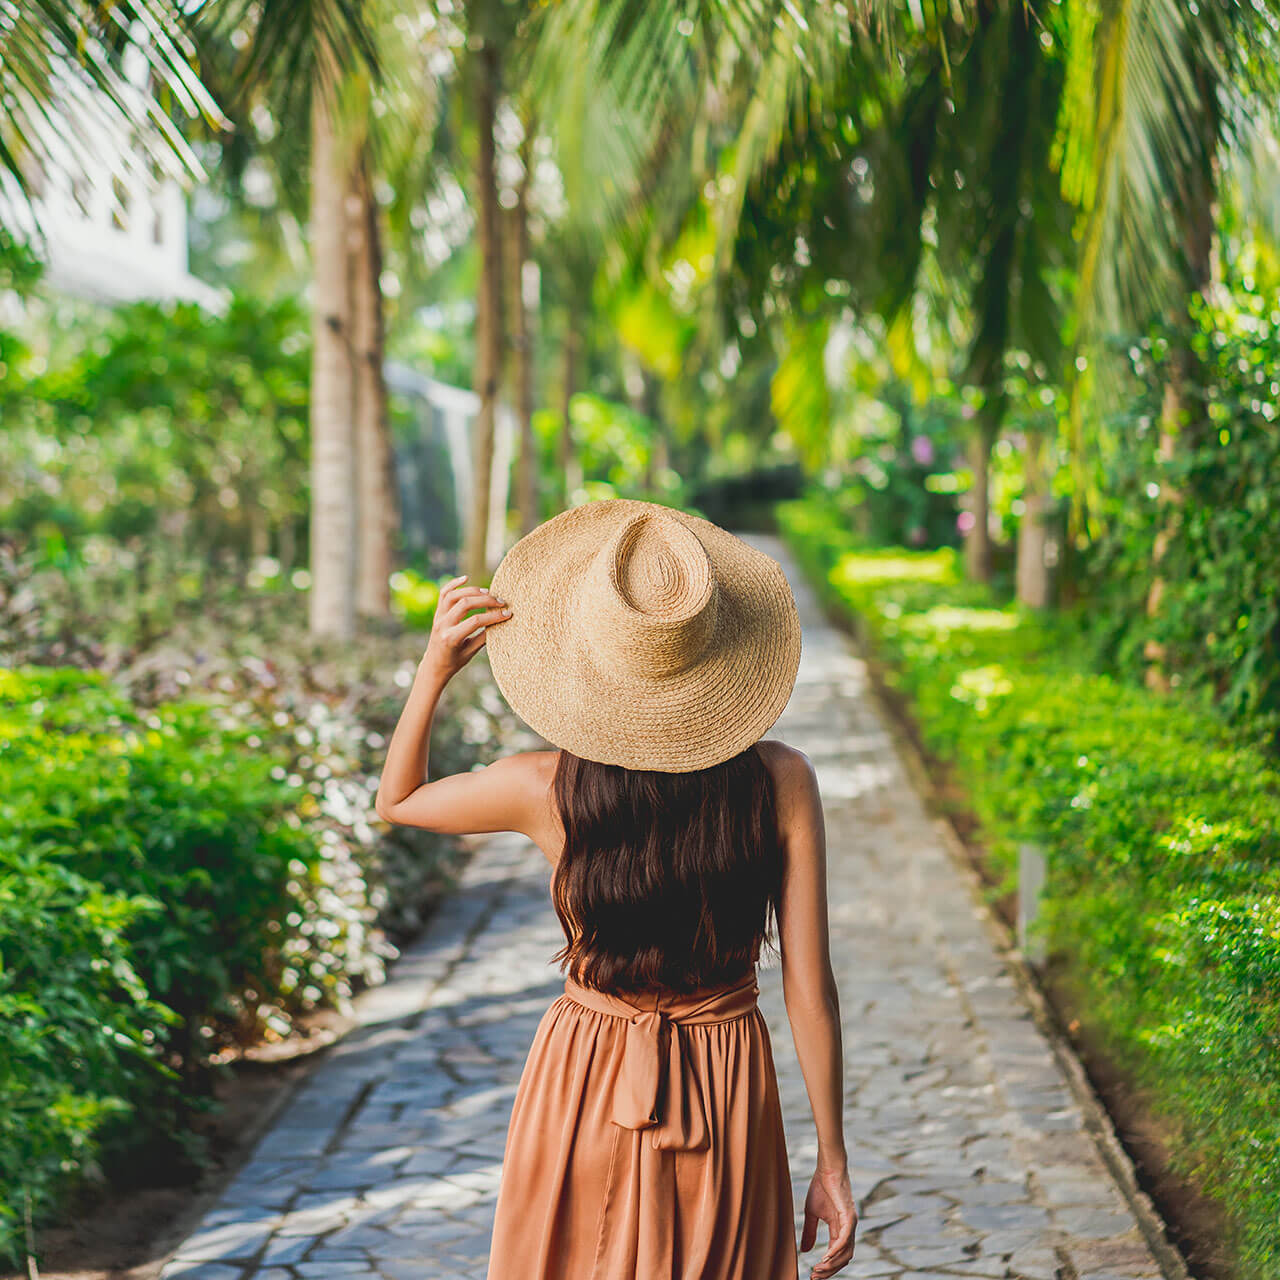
column 1161, row 826
column 157, row 886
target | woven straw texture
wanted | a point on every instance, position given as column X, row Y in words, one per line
column 643, row 636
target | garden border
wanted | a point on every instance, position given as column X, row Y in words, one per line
column 1097, row 1118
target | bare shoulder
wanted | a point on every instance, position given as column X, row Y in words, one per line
column 792, row 771
column 535, row 769
column 532, row 774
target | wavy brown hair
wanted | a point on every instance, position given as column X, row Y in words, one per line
column 667, row 880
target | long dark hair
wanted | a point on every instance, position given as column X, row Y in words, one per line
column 667, row 880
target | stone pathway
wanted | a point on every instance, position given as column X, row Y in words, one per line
column 966, row 1145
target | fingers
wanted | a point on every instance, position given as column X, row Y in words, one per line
column 839, row 1247
column 451, row 587
column 467, row 625
column 459, row 602
column 455, row 588
column 809, row 1234
column 848, row 1225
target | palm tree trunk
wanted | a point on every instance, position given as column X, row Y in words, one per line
column 977, row 543
column 488, row 316
column 569, row 472
column 1033, row 532
column 332, row 603
column 378, row 508
column 527, row 475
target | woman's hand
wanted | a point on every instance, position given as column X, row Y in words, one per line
column 830, row 1199
column 455, row 639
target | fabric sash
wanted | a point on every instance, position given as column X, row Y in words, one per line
column 645, row 1095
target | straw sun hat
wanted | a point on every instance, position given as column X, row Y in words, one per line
column 643, row 636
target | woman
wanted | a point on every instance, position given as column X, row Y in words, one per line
column 653, row 650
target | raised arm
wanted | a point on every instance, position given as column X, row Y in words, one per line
column 512, row 794
column 813, row 1007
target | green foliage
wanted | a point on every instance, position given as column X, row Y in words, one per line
column 1213, row 495
column 414, row 598
column 78, row 1029
column 163, row 422
column 175, row 854
column 1162, row 830
column 612, row 445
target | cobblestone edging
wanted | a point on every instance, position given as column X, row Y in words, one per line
column 968, row 1145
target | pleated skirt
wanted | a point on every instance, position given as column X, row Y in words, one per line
column 646, row 1143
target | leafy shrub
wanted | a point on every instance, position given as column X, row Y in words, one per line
column 1211, row 497
column 174, row 805
column 1162, row 829
column 190, row 858
column 78, row 1030
column 163, row 423
column 149, row 863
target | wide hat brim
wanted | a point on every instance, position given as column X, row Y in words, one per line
column 621, row 712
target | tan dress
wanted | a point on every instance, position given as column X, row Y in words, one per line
column 646, row 1143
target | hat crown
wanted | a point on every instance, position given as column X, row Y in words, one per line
column 649, row 597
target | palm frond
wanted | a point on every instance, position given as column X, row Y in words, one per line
column 81, row 81
column 1141, row 76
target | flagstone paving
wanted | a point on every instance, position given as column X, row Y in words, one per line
column 968, row 1151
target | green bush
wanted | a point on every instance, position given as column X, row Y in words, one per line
column 1210, row 500
column 173, row 806
column 151, row 871
column 1162, row 829
column 78, row 1030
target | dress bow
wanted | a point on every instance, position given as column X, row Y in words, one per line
column 656, row 1088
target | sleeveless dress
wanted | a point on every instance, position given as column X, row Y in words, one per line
column 646, row 1143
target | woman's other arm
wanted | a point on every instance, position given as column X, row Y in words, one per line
column 813, row 1007
column 512, row 794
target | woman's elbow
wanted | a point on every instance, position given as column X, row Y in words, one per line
column 384, row 809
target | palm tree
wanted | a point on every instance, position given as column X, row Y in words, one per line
column 377, row 502
column 333, row 443
column 303, row 60
column 486, row 71
column 522, row 332
column 64, row 90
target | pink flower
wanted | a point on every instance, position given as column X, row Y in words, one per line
column 965, row 521
column 922, row 450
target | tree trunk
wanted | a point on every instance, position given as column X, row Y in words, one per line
column 1155, row 676
column 527, row 474
column 378, row 507
column 488, row 317
column 977, row 543
column 570, row 472
column 1033, row 532
column 1199, row 218
column 332, row 603
column 287, row 545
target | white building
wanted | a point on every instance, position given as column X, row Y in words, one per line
column 103, row 241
